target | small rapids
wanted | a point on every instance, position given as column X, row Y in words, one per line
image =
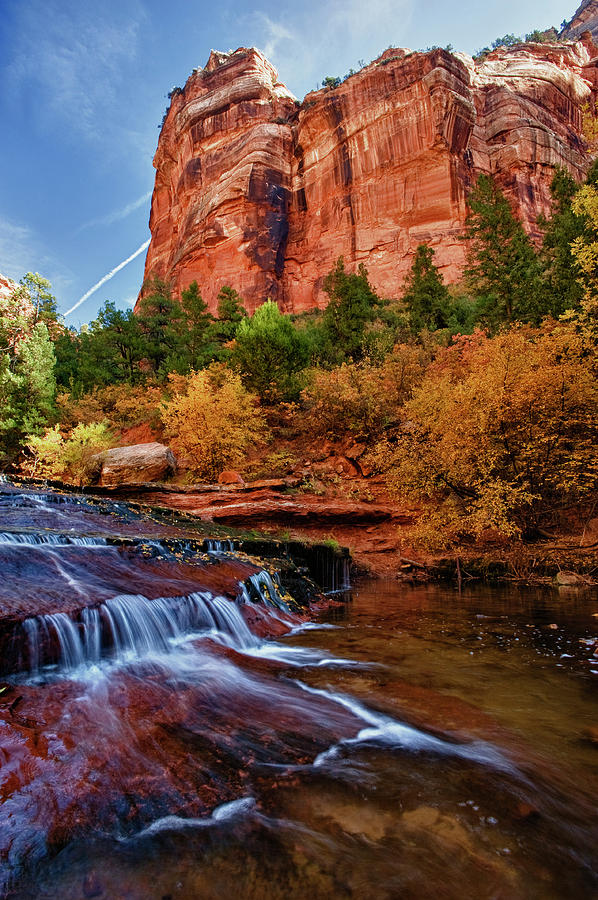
column 174, row 723
column 129, row 627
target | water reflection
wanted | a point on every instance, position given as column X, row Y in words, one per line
column 413, row 743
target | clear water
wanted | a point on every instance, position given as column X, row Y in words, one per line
column 412, row 743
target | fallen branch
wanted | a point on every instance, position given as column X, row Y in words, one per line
column 413, row 562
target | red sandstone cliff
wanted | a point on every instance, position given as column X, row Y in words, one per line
column 262, row 193
column 585, row 19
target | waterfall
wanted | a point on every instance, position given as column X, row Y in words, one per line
column 37, row 499
column 266, row 590
column 131, row 626
column 56, row 540
column 219, row 546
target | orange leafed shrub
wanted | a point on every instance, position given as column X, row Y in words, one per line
column 500, row 435
column 122, row 405
column 214, row 422
column 362, row 398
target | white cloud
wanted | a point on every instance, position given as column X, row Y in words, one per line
column 21, row 252
column 116, row 215
column 275, row 34
column 16, row 253
column 312, row 41
column 73, row 57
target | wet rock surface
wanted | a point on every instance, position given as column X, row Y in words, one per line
column 225, row 745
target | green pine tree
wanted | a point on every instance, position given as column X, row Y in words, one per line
column 163, row 325
column 426, row 296
column 231, row 313
column 270, row 353
column 502, row 268
column 352, row 306
column 200, row 346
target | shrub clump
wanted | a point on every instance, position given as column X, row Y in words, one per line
column 212, row 421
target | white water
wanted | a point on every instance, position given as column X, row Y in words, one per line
column 57, row 540
column 130, row 627
column 385, row 731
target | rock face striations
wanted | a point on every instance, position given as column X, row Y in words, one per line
column 585, row 19
column 263, row 193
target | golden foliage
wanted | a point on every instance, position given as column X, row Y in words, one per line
column 585, row 251
column 213, row 422
column 53, row 456
column 499, row 434
column 121, row 405
column 362, row 398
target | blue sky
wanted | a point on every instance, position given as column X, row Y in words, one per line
column 83, row 88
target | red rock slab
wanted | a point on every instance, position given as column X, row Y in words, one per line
column 265, row 505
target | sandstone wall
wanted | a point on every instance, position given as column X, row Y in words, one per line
column 585, row 19
column 258, row 191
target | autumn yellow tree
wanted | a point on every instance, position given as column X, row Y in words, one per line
column 585, row 251
column 52, row 455
column 212, row 420
column 500, row 435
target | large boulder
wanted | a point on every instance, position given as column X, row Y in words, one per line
column 139, row 463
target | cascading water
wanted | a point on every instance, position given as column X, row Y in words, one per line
column 129, row 627
column 164, row 730
column 55, row 540
column 265, row 589
column 220, row 546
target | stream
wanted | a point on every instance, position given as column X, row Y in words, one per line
column 173, row 724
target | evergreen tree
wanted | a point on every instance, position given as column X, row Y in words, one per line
column 162, row 322
column 39, row 291
column 426, row 296
column 67, row 350
column 562, row 289
column 269, row 353
column 199, row 344
column 231, row 313
column 108, row 352
column 352, row 305
column 122, row 341
column 502, row 268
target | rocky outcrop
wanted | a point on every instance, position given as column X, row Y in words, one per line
column 258, row 191
column 7, row 287
column 584, row 20
column 139, row 463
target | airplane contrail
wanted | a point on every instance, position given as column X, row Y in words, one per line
column 107, row 277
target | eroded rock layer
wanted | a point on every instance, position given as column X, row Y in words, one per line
column 585, row 19
column 263, row 193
